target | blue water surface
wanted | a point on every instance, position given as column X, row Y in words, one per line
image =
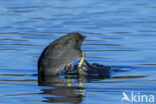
column 120, row 34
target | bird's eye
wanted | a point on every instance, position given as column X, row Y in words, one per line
column 77, row 40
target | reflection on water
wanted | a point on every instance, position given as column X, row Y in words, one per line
column 63, row 91
column 69, row 87
column 120, row 34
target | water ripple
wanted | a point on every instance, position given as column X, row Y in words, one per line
column 120, row 35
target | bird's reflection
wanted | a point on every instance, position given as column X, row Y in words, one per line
column 64, row 90
column 67, row 88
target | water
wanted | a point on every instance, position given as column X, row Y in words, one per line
column 120, row 34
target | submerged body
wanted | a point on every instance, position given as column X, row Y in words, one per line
column 59, row 53
column 89, row 70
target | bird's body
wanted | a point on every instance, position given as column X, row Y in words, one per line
column 59, row 53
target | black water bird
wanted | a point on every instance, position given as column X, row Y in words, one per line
column 60, row 53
